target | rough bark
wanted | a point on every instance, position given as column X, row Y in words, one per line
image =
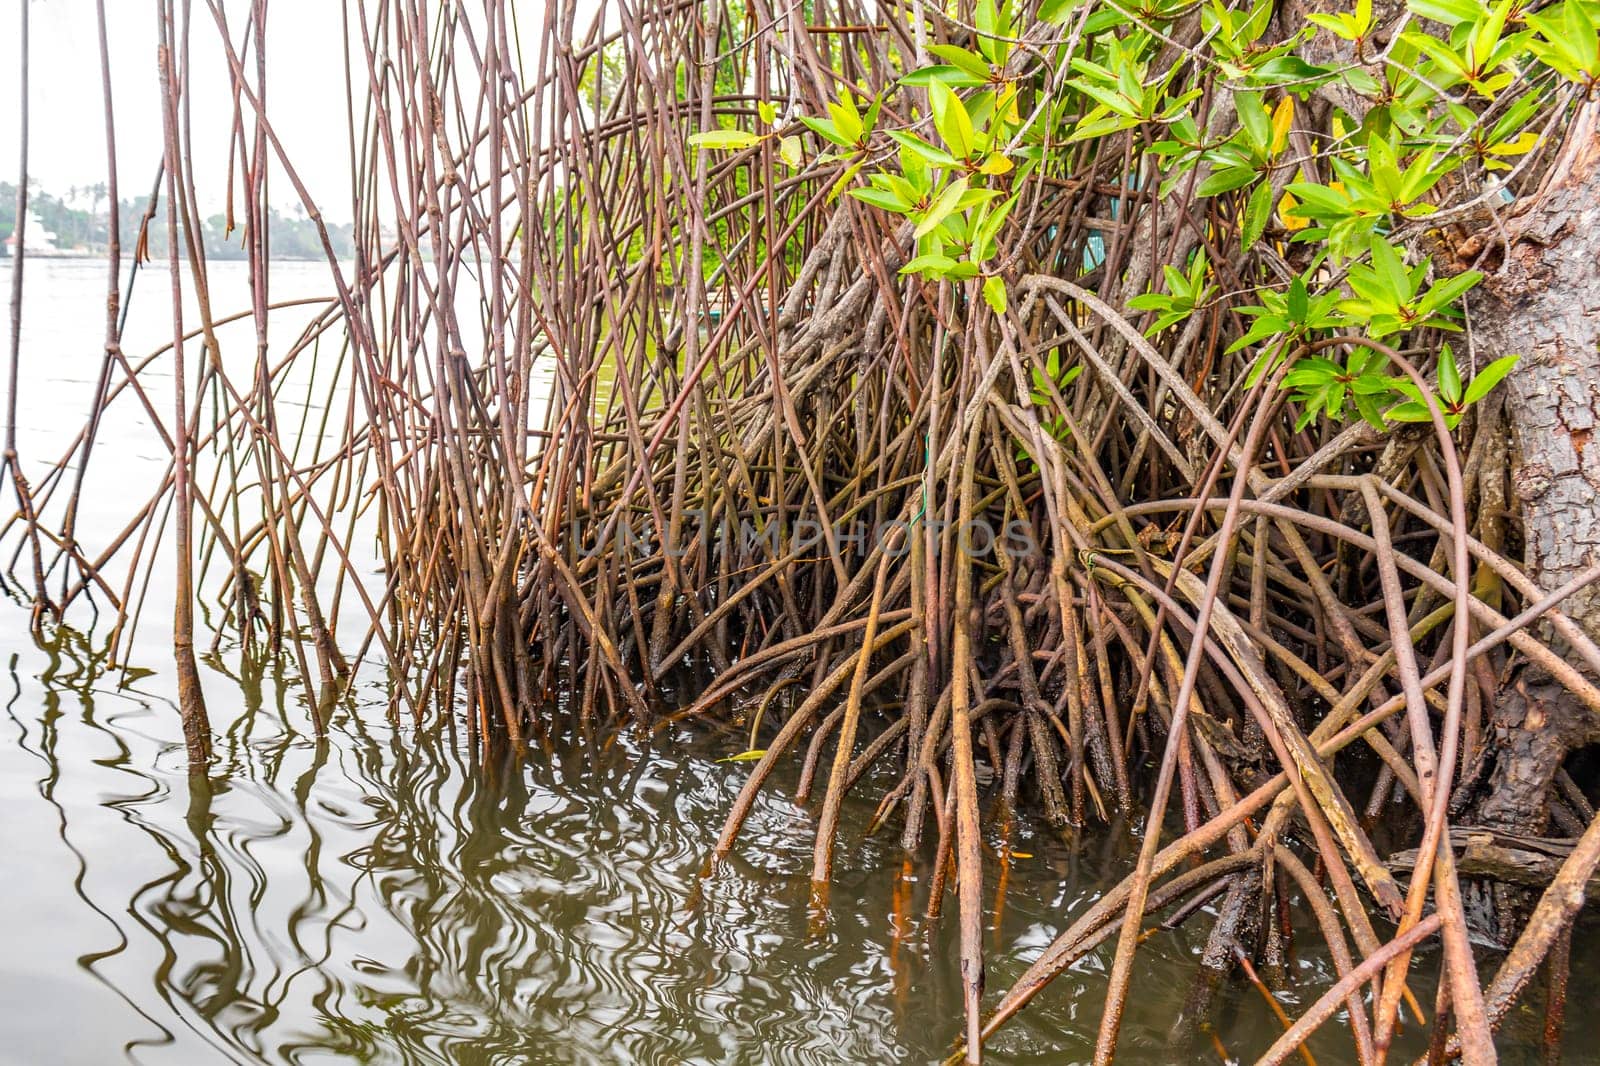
column 1543, row 304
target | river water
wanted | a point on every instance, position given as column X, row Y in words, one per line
column 377, row 894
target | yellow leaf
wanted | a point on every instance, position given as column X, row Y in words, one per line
column 1282, row 120
column 746, row 756
column 996, row 164
column 1519, row 145
column 726, row 139
column 1006, row 104
column 845, row 179
column 1286, row 215
column 994, row 293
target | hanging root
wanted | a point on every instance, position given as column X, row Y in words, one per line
column 643, row 430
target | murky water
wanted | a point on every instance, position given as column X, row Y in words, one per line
column 379, row 894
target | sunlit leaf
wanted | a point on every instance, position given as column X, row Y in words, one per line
column 726, row 139
column 789, row 150
column 994, row 293
column 943, row 207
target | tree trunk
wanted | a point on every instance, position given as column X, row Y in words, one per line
column 1544, row 305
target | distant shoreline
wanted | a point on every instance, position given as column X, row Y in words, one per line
column 161, row 264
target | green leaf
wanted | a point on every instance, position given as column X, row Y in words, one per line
column 1265, row 326
column 899, row 186
column 993, row 21
column 987, row 228
column 1108, row 98
column 1332, row 23
column 1319, row 201
column 1411, row 411
column 1391, row 270
column 936, row 265
column 869, row 121
column 1449, row 377
column 881, row 198
column 1300, row 75
column 942, row 207
column 968, row 62
column 928, row 153
column 943, row 72
column 1255, row 24
column 1254, row 120
column 1449, row 12
column 1097, row 124
column 986, row 17
column 1307, row 377
column 1385, row 170
column 1256, row 214
column 1450, row 63
column 950, row 118
column 975, row 198
column 825, row 129
column 1298, row 306
column 733, row 139
column 1226, row 180
column 1450, row 289
column 846, row 118
column 1581, row 37
column 1490, row 376
column 1369, row 410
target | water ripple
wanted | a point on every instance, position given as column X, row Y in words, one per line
column 383, row 896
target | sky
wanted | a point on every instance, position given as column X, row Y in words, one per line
column 305, row 97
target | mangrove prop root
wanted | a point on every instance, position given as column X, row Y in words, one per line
column 632, row 430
